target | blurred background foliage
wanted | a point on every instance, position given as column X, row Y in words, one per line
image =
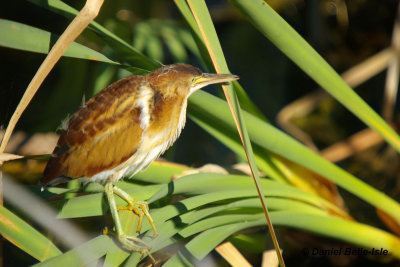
column 157, row 29
column 342, row 32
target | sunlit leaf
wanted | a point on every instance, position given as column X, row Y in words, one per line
column 83, row 254
column 25, row 236
column 20, row 36
column 279, row 32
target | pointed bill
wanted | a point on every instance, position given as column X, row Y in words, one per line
column 207, row 79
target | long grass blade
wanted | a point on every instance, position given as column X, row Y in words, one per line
column 278, row 31
column 24, row 37
column 84, row 17
column 207, row 30
column 125, row 51
column 21, row 234
column 81, row 255
column 244, row 99
column 264, row 135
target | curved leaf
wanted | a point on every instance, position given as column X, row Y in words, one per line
column 23, row 37
column 278, row 31
column 25, row 236
column 83, row 254
column 125, row 51
column 266, row 136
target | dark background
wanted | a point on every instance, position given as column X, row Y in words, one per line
column 270, row 79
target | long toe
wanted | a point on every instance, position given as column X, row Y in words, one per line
column 134, row 243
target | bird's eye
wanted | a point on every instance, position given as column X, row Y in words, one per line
column 193, row 80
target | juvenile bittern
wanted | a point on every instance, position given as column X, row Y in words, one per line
column 124, row 128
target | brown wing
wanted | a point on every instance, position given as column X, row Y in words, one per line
column 100, row 135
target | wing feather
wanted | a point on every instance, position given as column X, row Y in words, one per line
column 100, row 135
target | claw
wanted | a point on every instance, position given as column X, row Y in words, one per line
column 136, row 244
column 140, row 208
column 133, row 243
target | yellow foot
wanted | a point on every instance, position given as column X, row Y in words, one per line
column 140, row 208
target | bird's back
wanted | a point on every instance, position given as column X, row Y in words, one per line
column 101, row 135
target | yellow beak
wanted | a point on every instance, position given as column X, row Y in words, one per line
column 207, row 79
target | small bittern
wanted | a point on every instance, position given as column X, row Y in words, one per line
column 121, row 130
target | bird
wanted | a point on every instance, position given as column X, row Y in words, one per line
column 122, row 130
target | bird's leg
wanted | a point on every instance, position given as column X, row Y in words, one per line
column 129, row 242
column 140, row 208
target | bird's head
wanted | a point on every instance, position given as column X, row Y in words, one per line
column 183, row 79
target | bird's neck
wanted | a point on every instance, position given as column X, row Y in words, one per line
column 168, row 117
